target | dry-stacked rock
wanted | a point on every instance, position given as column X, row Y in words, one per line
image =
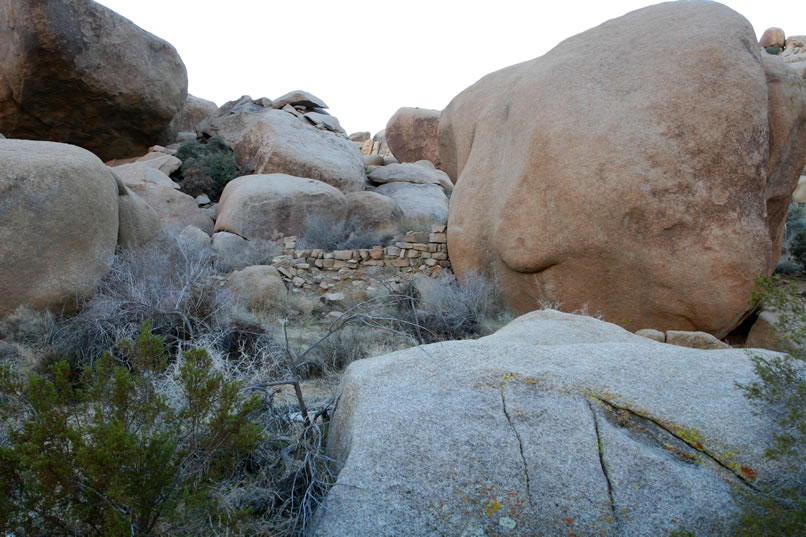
column 77, row 72
column 652, row 188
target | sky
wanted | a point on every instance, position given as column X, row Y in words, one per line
column 367, row 59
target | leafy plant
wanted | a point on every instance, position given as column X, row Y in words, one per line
column 797, row 249
column 780, row 393
column 108, row 454
column 206, row 168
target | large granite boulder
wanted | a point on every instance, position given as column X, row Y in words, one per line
column 632, row 169
column 75, row 71
column 59, row 213
column 275, row 205
column 556, row 425
column 412, row 135
column 267, row 141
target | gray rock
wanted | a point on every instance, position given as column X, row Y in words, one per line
column 325, row 121
column 418, row 202
column 193, row 240
column 299, row 97
column 194, row 111
column 694, row 339
column 557, row 424
column 167, row 164
column 360, row 137
column 412, row 173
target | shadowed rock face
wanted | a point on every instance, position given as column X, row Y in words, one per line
column 641, row 168
column 77, row 72
column 557, row 424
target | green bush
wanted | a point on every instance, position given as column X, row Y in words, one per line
column 797, row 249
column 106, row 453
column 780, row 393
column 206, row 168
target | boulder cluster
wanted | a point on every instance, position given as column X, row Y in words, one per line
column 651, row 191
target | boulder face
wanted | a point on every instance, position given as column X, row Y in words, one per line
column 273, row 205
column 412, row 135
column 59, row 208
column 558, row 424
column 651, row 189
column 77, row 72
column 194, row 111
column 267, row 141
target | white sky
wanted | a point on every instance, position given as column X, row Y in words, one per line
column 367, row 59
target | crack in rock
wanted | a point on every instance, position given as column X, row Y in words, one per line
column 693, row 445
column 600, row 451
column 520, row 447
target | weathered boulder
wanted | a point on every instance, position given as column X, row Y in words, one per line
column 799, row 194
column 257, row 287
column 193, row 240
column 795, row 44
column 360, row 137
column 268, row 141
column 139, row 223
column 556, row 425
column 298, row 98
column 652, row 188
column 273, row 205
column 772, row 37
column 415, row 173
column 373, row 212
column 176, row 209
column 194, row 111
column 412, row 135
column 59, row 212
column 165, row 163
column 418, row 202
column 77, row 72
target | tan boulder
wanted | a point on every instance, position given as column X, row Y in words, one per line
column 799, row 195
column 412, row 135
column 175, row 209
column 373, row 212
column 256, row 286
column 642, row 189
column 772, row 37
column 59, row 210
column 420, row 173
column 77, row 72
column 267, row 141
column 194, row 111
column 272, row 205
column 167, row 164
column 139, row 223
column 694, row 340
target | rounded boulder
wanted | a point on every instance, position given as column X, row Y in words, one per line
column 59, row 210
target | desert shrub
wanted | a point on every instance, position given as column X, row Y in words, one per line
column 780, row 393
column 450, row 308
column 327, row 233
column 206, row 168
column 146, row 443
column 797, row 248
column 107, row 454
column 173, row 287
